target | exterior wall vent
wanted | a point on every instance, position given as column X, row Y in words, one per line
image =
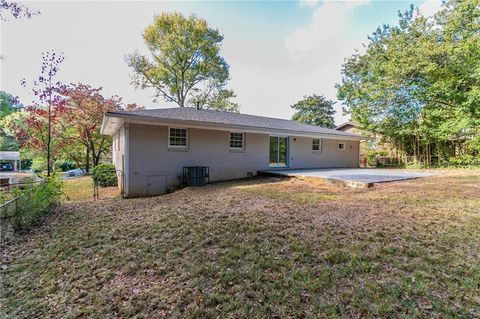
column 196, row 175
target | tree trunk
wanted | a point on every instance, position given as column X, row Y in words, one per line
column 87, row 161
column 49, row 142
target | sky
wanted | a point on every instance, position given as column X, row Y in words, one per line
column 278, row 52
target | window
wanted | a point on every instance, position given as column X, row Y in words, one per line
column 341, row 146
column 237, row 141
column 177, row 137
column 316, row 144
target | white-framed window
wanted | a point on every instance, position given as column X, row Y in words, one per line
column 177, row 138
column 237, row 141
column 341, row 146
column 316, row 144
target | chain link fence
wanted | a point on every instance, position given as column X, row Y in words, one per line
column 105, row 179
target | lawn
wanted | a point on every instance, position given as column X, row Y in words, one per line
column 257, row 248
column 80, row 189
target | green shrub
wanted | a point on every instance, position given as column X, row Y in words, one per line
column 105, row 175
column 5, row 196
column 39, row 164
column 463, row 161
column 35, row 201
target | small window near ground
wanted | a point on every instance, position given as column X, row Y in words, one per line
column 316, row 144
column 177, row 137
column 237, row 141
column 341, row 146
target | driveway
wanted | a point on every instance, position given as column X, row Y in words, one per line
column 356, row 177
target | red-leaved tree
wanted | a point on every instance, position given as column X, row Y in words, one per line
column 83, row 119
column 40, row 129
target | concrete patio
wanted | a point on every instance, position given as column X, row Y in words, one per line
column 353, row 177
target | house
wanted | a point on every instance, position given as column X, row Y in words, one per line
column 372, row 143
column 150, row 147
column 354, row 128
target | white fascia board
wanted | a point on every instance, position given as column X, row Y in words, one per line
column 111, row 124
column 225, row 127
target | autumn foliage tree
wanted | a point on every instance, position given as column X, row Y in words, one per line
column 38, row 129
column 65, row 120
column 85, row 107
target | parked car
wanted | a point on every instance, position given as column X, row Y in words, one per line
column 7, row 167
column 74, row 173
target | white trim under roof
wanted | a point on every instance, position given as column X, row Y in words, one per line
column 112, row 122
column 9, row 156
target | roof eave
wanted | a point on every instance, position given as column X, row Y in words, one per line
column 141, row 119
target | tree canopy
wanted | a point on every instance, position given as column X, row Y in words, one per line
column 418, row 83
column 8, row 105
column 221, row 100
column 314, row 110
column 184, row 60
column 15, row 10
column 85, row 107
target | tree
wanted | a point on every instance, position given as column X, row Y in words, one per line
column 31, row 129
column 221, row 100
column 185, row 59
column 415, row 84
column 46, row 111
column 314, row 110
column 16, row 10
column 85, row 107
column 8, row 105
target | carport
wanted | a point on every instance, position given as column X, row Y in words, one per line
column 11, row 157
column 353, row 177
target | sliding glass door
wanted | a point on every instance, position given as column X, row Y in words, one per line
column 278, row 151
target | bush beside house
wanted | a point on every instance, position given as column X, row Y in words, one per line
column 105, row 175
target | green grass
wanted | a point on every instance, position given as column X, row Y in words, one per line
column 81, row 190
column 236, row 250
column 78, row 189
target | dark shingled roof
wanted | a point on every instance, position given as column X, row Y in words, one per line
column 229, row 118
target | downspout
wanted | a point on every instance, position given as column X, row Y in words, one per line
column 126, row 172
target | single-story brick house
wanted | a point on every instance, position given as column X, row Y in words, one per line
column 151, row 147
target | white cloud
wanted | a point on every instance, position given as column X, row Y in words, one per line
column 430, row 7
column 329, row 22
column 318, row 49
column 308, row 3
